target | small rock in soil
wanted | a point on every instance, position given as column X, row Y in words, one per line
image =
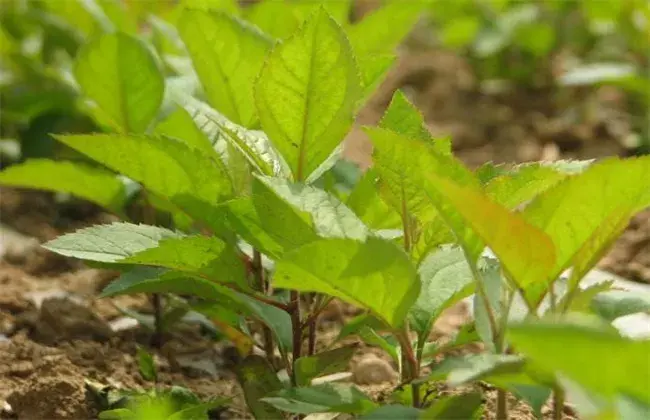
column 373, row 370
column 64, row 319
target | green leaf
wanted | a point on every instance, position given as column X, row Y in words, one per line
column 203, row 256
column 180, row 125
column 354, row 325
column 404, row 118
column 446, row 278
column 79, row 179
column 617, row 303
column 490, row 274
column 521, row 184
column 253, row 144
column 313, row 74
column 474, row 367
column 324, row 398
column 605, row 198
column 393, row 411
column 119, row 73
column 117, row 414
column 146, row 365
column 402, row 164
column 373, row 69
column 374, row 274
column 323, row 363
column 228, row 55
column 455, row 407
column 167, row 168
column 330, row 217
column 580, row 300
column 109, row 243
column 572, row 350
column 522, row 386
column 157, row 280
column 268, row 222
column 366, row 202
column 257, row 379
column 384, row 29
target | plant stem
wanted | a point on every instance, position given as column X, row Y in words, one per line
column 480, row 289
column 297, row 331
column 157, row 337
column 264, row 287
column 558, row 403
column 411, row 365
column 502, row 405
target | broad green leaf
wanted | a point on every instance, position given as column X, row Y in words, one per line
column 229, row 6
column 198, row 410
column 79, row 179
column 268, row 222
column 572, row 350
column 257, row 379
column 455, row 407
column 203, row 256
column 253, row 144
column 323, row 363
column 393, row 411
column 227, row 54
column 109, row 243
column 313, row 74
column 365, row 201
column 158, row 280
column 525, row 252
column 446, row 278
column 522, row 386
column 404, row 118
column 180, row 125
column 383, row 30
column 168, row 168
column 402, row 164
column 375, row 274
column 606, row 196
column 521, row 184
column 365, row 327
column 354, row 325
column 119, row 73
column 324, row 398
column 474, row 367
column 632, row 409
column 330, row 217
column 617, row 303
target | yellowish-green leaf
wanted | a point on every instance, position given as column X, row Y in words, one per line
column 373, row 69
column 180, row 125
column 79, row 179
column 307, row 92
column 525, row 182
column 525, row 252
column 365, row 201
column 584, row 213
column 375, row 275
column 227, row 54
column 120, row 74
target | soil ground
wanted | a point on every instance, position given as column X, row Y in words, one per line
column 54, row 333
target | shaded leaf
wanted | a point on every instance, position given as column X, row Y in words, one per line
column 572, row 350
column 323, row 363
column 393, row 411
column 460, row 407
column 257, row 379
column 617, row 303
column 180, row 125
column 375, row 274
column 446, row 278
column 146, row 365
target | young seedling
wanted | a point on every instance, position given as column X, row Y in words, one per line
column 264, row 248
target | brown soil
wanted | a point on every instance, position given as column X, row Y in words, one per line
column 54, row 334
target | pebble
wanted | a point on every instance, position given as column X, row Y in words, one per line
column 373, row 370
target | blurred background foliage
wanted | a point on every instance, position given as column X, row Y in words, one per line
column 562, row 47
